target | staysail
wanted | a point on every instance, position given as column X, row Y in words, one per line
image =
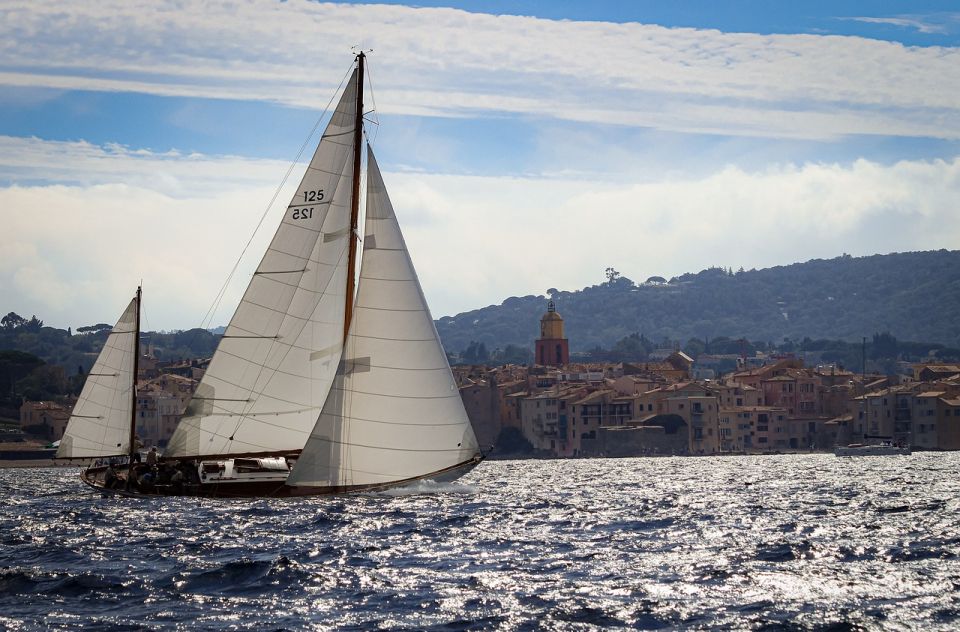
column 274, row 365
column 100, row 422
column 394, row 411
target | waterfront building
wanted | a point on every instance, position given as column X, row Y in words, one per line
column 45, row 419
column 161, row 403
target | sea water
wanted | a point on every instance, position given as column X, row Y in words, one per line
column 766, row 542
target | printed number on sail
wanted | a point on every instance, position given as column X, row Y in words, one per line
column 303, row 213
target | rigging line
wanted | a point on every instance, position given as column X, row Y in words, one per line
column 223, row 289
column 373, row 102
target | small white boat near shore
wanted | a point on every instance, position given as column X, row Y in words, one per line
column 877, row 449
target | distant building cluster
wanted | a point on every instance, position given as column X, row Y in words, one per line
column 163, row 392
column 670, row 405
column 676, row 406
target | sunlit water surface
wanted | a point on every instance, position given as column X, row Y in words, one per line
column 781, row 542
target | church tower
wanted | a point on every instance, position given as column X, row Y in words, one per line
column 552, row 349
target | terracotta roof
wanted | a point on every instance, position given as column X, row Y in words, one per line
column 594, row 396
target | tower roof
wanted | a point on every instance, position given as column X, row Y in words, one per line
column 551, row 312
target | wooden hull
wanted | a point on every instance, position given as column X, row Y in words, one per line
column 261, row 489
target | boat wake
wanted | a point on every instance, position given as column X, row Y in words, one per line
column 428, row 487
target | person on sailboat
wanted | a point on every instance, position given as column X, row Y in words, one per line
column 176, row 480
column 110, row 477
column 152, row 456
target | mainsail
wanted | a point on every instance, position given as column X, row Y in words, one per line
column 100, row 422
column 394, row 411
column 274, row 366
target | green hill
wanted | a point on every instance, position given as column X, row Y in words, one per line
column 914, row 296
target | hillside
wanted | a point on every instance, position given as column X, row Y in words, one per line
column 914, row 296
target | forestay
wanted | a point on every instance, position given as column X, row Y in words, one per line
column 100, row 422
column 394, row 412
column 273, row 367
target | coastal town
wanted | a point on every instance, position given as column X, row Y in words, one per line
column 672, row 404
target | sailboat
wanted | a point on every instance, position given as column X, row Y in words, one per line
column 325, row 381
column 102, row 424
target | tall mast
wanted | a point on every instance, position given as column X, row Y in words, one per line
column 355, row 200
column 133, row 386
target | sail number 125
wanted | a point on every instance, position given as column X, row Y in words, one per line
column 303, row 213
column 308, row 196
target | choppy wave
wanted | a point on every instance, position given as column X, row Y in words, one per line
column 766, row 543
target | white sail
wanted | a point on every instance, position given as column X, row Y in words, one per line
column 273, row 367
column 394, row 412
column 100, row 422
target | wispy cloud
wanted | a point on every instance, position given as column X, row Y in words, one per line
column 932, row 24
column 473, row 239
column 446, row 62
column 79, row 163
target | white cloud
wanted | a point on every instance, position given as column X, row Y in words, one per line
column 447, row 62
column 936, row 24
column 73, row 254
column 172, row 173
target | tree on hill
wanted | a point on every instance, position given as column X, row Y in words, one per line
column 14, row 366
column 475, row 353
column 44, row 382
column 913, row 296
column 633, row 347
column 12, row 321
column 95, row 329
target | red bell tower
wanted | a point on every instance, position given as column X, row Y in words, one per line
column 552, row 349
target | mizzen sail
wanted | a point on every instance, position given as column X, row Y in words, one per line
column 100, row 422
column 274, row 365
column 394, row 412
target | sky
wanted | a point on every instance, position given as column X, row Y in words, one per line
column 525, row 145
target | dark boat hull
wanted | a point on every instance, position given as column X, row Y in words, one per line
column 262, row 489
